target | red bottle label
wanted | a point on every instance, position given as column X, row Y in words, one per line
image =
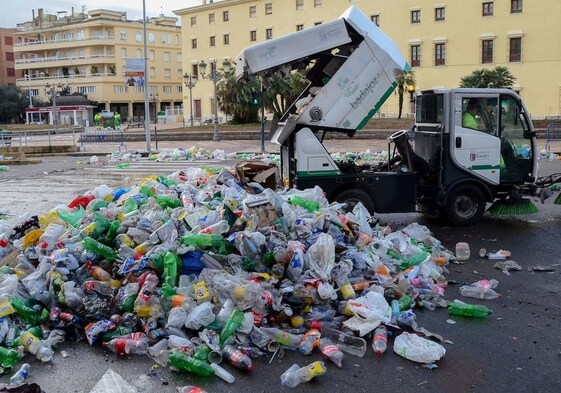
column 120, row 346
column 329, row 350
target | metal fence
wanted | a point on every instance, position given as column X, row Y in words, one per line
column 553, row 133
column 102, row 136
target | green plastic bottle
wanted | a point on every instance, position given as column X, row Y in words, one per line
column 101, row 225
column 311, row 206
column 27, row 313
column 9, row 357
column 112, row 232
column 167, row 202
column 232, row 324
column 469, row 310
column 203, row 240
column 182, row 362
column 170, row 269
column 405, row 302
column 99, row 249
column 130, row 205
column 414, row 260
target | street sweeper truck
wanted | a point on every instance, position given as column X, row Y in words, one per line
column 472, row 146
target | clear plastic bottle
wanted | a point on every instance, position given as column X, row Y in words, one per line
column 309, row 341
column 49, row 238
column 296, row 375
column 122, row 346
column 189, row 389
column 380, row 340
column 331, row 351
column 462, row 251
column 347, row 343
column 21, row 374
column 35, row 346
column 284, row 338
column 482, row 289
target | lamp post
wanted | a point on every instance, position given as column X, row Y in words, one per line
column 214, row 76
column 28, row 78
column 53, row 90
column 190, row 81
column 411, row 90
column 154, row 98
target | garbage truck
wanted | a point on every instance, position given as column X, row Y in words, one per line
column 456, row 167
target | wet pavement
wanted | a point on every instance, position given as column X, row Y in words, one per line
column 517, row 348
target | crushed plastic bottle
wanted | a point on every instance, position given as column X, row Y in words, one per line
column 296, row 375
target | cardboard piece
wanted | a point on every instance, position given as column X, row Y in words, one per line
column 257, row 171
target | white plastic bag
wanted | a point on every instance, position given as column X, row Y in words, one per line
column 201, row 315
column 321, row 257
column 417, row 349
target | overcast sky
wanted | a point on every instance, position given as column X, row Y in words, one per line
column 14, row 12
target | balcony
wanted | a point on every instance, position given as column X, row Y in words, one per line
column 54, row 61
column 60, row 43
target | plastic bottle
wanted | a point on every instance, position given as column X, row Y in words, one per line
column 122, row 346
column 148, row 287
column 49, row 238
column 20, row 375
column 320, row 325
column 347, row 343
column 232, row 324
column 295, row 375
column 170, row 269
column 30, row 315
column 331, row 351
column 311, row 206
column 222, row 374
column 482, row 289
column 9, row 357
column 101, row 274
column 203, row 240
column 309, row 341
column 405, row 302
column 380, row 340
column 237, row 358
column 221, row 227
column 166, row 201
column 284, row 338
column 189, row 389
column 469, row 310
column 83, row 201
column 98, row 248
column 462, row 251
column 182, row 362
column 35, row 346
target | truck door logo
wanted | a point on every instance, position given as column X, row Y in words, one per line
column 349, row 87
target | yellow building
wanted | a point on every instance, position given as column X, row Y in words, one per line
column 442, row 40
column 87, row 53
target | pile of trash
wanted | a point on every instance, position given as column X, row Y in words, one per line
column 200, row 266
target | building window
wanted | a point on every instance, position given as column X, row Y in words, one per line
column 317, row 3
column 194, row 43
column 486, row 51
column 225, row 16
column 269, row 34
column 119, row 89
column 375, row 19
column 253, row 35
column 9, row 56
column 299, row 4
column 299, row 27
column 178, row 57
column 515, row 6
column 167, row 56
column 167, row 73
column 152, row 54
column 123, row 53
column 138, row 36
column 9, row 41
column 268, row 8
column 139, row 54
column 439, row 54
column 416, row 16
column 252, row 11
column 11, row 71
column 415, row 55
column 439, row 14
column 212, row 41
column 86, row 89
column 152, row 72
column 211, row 18
column 123, row 35
column 195, row 70
column 515, row 50
column 151, row 38
column 193, row 21
column 488, row 8
column 166, row 89
column 226, row 39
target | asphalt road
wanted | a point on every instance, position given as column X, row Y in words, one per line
column 517, row 348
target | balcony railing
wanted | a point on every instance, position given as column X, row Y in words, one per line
column 64, row 40
column 34, row 60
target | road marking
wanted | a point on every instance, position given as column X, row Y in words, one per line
column 111, row 382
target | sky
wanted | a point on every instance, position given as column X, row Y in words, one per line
column 15, row 12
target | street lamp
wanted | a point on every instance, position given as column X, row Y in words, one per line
column 190, row 81
column 154, row 98
column 53, row 90
column 214, row 76
column 28, row 79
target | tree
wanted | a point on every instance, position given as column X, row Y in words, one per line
column 403, row 79
column 282, row 92
column 498, row 77
column 234, row 98
column 12, row 103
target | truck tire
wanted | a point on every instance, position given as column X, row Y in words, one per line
column 352, row 197
column 465, row 205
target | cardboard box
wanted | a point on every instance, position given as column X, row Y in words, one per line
column 257, row 171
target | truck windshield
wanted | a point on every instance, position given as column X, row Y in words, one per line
column 429, row 108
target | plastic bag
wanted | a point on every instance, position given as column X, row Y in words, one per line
column 373, row 306
column 418, row 232
column 322, row 257
column 417, row 349
column 201, row 315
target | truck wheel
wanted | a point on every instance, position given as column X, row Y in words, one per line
column 465, row 205
column 353, row 197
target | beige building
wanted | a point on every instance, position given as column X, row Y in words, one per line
column 442, row 40
column 87, row 53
